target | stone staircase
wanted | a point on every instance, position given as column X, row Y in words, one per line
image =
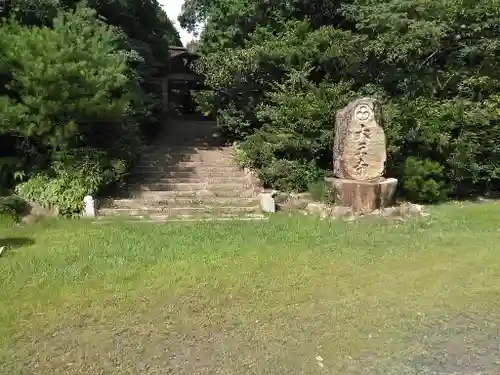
column 188, row 175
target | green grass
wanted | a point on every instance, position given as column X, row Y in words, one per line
column 419, row 297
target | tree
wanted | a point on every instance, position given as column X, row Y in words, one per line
column 78, row 86
column 434, row 64
column 192, row 46
column 147, row 33
column 68, row 89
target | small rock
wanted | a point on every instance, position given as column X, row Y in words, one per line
column 415, row 209
column 341, row 212
column 281, row 197
column 30, row 219
column 303, row 196
column 403, row 210
column 318, row 209
column 388, row 211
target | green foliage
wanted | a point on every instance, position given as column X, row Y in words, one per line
column 70, row 178
column 78, row 86
column 65, row 81
column 297, row 131
column 13, row 207
column 288, row 175
column 423, row 180
column 241, row 157
column 321, row 191
column 68, row 108
column 460, row 135
column 435, row 65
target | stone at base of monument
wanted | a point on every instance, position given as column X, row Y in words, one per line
column 363, row 197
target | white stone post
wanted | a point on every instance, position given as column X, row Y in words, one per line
column 89, row 209
column 267, row 202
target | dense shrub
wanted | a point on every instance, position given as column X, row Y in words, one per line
column 65, row 82
column 70, row 178
column 423, row 180
column 456, row 142
column 287, row 175
column 322, row 191
column 13, row 207
column 78, row 90
column 145, row 34
column 68, row 90
column 435, row 66
column 293, row 147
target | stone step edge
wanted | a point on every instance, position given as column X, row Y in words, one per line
column 143, row 194
column 151, row 204
column 142, row 215
column 204, row 171
column 167, row 155
column 192, row 179
column 208, row 162
column 201, row 167
column 186, row 220
column 163, row 209
column 178, row 200
column 202, row 185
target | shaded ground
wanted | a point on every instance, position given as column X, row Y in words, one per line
column 288, row 296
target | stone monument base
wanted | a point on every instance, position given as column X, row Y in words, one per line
column 363, row 197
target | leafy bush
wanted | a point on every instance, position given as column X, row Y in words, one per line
column 70, row 91
column 456, row 142
column 70, row 179
column 321, row 191
column 423, row 180
column 65, row 82
column 435, row 67
column 78, row 80
column 241, row 157
column 294, row 145
column 13, row 207
column 145, row 34
column 288, row 175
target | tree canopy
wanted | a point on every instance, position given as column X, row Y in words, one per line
column 78, row 92
column 277, row 71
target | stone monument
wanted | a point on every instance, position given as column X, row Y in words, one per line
column 359, row 158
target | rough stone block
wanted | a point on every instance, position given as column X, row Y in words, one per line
column 360, row 144
column 363, row 197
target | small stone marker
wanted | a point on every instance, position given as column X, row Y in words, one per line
column 359, row 158
column 267, row 202
column 89, row 209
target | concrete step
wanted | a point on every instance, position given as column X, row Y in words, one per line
column 191, row 186
column 184, row 174
column 186, row 165
column 209, row 161
column 199, row 156
column 164, row 220
column 200, row 194
column 209, row 180
column 146, row 212
column 167, row 155
column 211, row 216
column 179, row 202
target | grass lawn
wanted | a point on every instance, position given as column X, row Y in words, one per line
column 293, row 295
